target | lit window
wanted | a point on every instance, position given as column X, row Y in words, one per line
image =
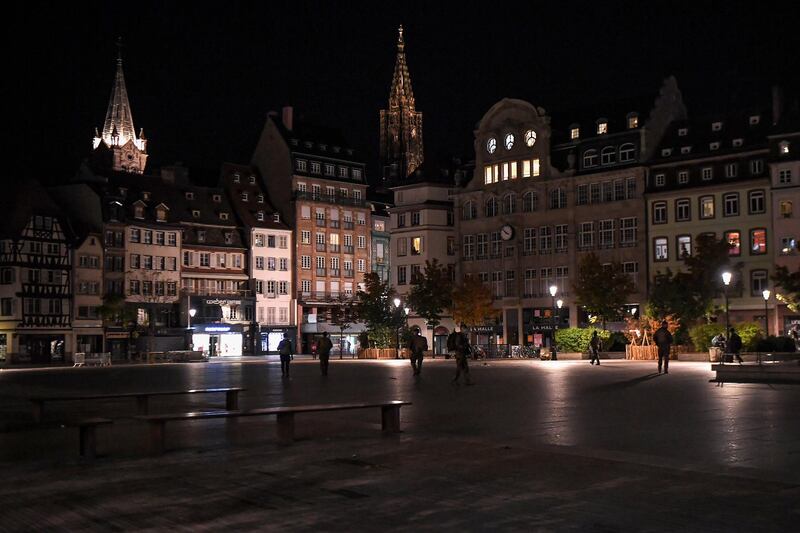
column 734, row 243
column 602, row 127
column 509, row 141
column 416, row 245
column 755, row 119
column 513, row 165
column 758, row 241
column 684, row 245
column 707, row 207
column 783, row 147
column 530, row 138
column 487, row 174
column 661, row 249
column 491, row 145
column 786, row 209
column 633, row 121
column 535, row 170
column 575, row 133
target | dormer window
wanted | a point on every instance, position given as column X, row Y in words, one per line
column 308, row 144
column 574, row 133
column 686, row 149
column 244, row 196
column 713, row 146
column 145, row 195
column 161, row 213
column 223, row 216
column 315, row 167
column 252, row 180
column 602, row 126
column 357, row 173
column 260, row 216
column 716, row 126
column 196, row 213
column 633, row 121
column 349, row 151
column 228, row 238
column 666, row 152
column 294, row 142
column 783, row 147
column 276, row 217
column 201, row 235
column 138, row 211
column 236, row 178
column 217, row 198
column 737, row 143
column 342, row 172
column 683, row 132
column 323, row 147
column 189, row 195
column 754, row 119
column 302, row 165
column 261, row 198
column 328, row 169
column 336, row 149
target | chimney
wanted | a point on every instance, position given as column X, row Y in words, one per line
column 777, row 103
column 288, row 111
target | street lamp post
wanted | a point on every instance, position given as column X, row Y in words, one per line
column 726, row 279
column 765, row 293
column 553, row 352
column 189, row 318
column 397, row 331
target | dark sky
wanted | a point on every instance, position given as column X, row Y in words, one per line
column 201, row 76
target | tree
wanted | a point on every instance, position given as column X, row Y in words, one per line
column 342, row 317
column 789, row 282
column 602, row 291
column 431, row 292
column 472, row 303
column 673, row 294
column 114, row 311
column 374, row 307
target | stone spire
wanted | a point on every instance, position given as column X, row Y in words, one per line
column 401, row 124
column 118, row 133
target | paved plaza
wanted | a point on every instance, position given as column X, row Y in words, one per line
column 533, row 446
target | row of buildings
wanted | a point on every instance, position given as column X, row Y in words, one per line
column 122, row 258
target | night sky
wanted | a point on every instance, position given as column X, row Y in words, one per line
column 201, row 77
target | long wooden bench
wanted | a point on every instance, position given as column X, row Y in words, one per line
column 142, row 398
column 87, row 430
column 390, row 419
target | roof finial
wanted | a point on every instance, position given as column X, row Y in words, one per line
column 119, row 49
column 400, row 43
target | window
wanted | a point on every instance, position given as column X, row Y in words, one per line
column 201, row 236
column 737, row 143
column 757, row 202
column 362, row 241
column 205, row 259
column 608, row 155
column 497, row 284
column 602, row 126
column 135, row 235
column 305, row 262
column 356, row 174
column 734, row 243
column 315, row 167
column 529, row 202
column 633, row 121
column 561, row 237
column 574, row 133
column 716, row 126
column 683, row 210
column 660, row 180
column 661, row 249
column 607, row 233
column 545, row 239
column 626, row 152
column 608, row 191
column 489, row 175
column 686, row 149
column 529, row 241
column 148, row 237
column 172, row 239
column 788, row 245
column 138, row 211
column 343, row 172
column 684, row 243
column 468, row 243
column 586, row 235
column 402, row 246
column 683, row 177
column 683, row 132
column 707, row 173
column 628, row 228
column 659, row 212
column 666, row 152
column 491, row 207
column 783, row 147
column 786, row 209
column 482, row 245
column 509, row 203
column 415, row 218
column 756, row 167
column 785, row 176
column 582, row 197
column 619, row 190
column 590, row 158
column 730, row 203
column 401, row 275
column 134, row 260
column 594, row 193
column 530, row 282
column 758, row 241
column 558, row 198
column 758, row 282
column 706, row 207
column 362, row 265
column 731, row 170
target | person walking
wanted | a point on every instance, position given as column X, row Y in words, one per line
column 287, row 354
column 462, row 352
column 735, row 345
column 324, row 347
column 663, row 339
column 594, row 348
column 418, row 346
column 452, row 345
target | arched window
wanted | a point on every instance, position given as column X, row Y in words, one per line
column 608, row 156
column 530, row 202
column 509, row 203
column 626, row 152
column 491, row 207
column 470, row 211
column 590, row 158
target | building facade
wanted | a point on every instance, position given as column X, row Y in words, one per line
column 87, row 324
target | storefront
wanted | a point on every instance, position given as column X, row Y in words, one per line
column 41, row 348
column 218, row 340
column 118, row 343
column 440, row 340
column 270, row 337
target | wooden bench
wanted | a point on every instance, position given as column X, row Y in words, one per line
column 88, row 435
column 142, row 398
column 390, row 419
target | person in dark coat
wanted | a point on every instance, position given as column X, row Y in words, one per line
column 594, row 349
column 324, row 347
column 287, row 354
column 462, row 351
column 735, row 345
column 663, row 339
column 418, row 346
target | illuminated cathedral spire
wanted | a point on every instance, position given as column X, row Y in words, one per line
column 401, row 125
column 118, row 135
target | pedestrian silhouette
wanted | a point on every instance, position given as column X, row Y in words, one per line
column 735, row 345
column 462, row 351
column 594, row 349
column 663, row 339
column 324, row 347
column 287, row 354
column 418, row 346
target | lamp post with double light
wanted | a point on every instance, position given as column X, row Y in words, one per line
column 726, row 279
column 553, row 353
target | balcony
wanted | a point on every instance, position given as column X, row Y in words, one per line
column 348, row 273
column 334, row 224
column 337, row 200
column 348, row 224
column 322, row 297
column 335, row 272
column 321, row 272
column 334, row 248
column 321, row 247
column 320, row 222
column 348, row 249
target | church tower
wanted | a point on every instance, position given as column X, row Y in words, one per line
column 401, row 124
column 118, row 145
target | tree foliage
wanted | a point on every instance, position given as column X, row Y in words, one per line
column 577, row 339
column 787, row 287
column 431, row 292
column 602, row 291
column 472, row 303
column 374, row 307
column 342, row 316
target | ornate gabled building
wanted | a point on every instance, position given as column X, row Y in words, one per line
column 118, row 146
column 401, row 124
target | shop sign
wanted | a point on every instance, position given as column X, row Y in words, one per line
column 219, row 301
column 218, row 328
column 116, row 335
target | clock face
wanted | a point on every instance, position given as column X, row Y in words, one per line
column 509, row 140
column 530, row 137
column 506, row 232
column 491, row 145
